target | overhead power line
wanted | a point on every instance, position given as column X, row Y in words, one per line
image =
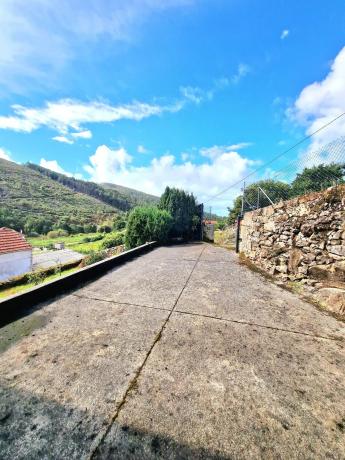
column 208, row 199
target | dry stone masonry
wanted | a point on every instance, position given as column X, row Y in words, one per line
column 302, row 239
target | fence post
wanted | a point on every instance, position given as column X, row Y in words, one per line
column 238, row 233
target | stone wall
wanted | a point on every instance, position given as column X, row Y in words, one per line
column 302, row 239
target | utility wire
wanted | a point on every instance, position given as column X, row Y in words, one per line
column 275, row 158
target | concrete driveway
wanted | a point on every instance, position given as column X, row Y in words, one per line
column 47, row 259
column 181, row 353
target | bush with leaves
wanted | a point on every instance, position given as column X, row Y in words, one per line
column 112, row 240
column 146, row 224
column 183, row 209
column 92, row 258
column 57, row 233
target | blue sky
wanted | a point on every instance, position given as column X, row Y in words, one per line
column 152, row 93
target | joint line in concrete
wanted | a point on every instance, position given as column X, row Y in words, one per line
column 263, row 326
column 120, row 303
column 101, row 436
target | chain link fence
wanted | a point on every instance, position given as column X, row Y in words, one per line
column 313, row 171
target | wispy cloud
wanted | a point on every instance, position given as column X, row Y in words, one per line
column 39, row 38
column 69, row 114
column 62, row 139
column 218, row 150
column 142, row 149
column 196, row 94
column 242, row 71
column 285, row 33
column 87, row 134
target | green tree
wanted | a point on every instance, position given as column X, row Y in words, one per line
column 145, row 224
column 275, row 190
column 318, row 178
column 183, row 209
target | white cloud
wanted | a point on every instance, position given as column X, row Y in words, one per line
column 242, row 71
column 141, row 149
column 53, row 165
column 203, row 179
column 217, row 150
column 87, row 134
column 105, row 162
column 4, row 155
column 284, row 34
column 62, row 139
column 38, row 39
column 322, row 101
column 196, row 94
column 70, row 114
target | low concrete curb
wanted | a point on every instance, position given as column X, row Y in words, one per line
column 9, row 307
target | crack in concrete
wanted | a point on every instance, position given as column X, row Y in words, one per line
column 102, row 434
column 115, row 302
column 263, row 326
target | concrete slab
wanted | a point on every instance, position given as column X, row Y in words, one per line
column 82, row 378
column 213, row 389
column 47, row 259
column 239, row 294
column 144, row 281
column 60, row 384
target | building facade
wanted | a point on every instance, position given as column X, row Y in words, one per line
column 15, row 254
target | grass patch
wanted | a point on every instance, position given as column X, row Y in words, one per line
column 71, row 240
column 24, row 287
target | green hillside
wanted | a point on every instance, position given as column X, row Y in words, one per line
column 26, row 194
column 136, row 197
column 36, row 199
column 108, row 196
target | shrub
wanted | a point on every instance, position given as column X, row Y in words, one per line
column 112, row 240
column 92, row 239
column 104, row 229
column 119, row 223
column 90, row 228
column 147, row 224
column 92, row 258
column 57, row 233
column 36, row 277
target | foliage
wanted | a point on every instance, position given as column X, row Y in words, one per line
column 57, row 233
column 38, row 200
column 108, row 196
column 147, row 224
column 119, row 223
column 317, row 178
column 93, row 257
column 104, row 228
column 276, row 190
column 112, row 240
column 135, row 197
column 183, row 209
column 36, row 277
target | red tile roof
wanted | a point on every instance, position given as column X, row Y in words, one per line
column 12, row 241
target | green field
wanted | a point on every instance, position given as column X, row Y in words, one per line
column 71, row 240
column 74, row 242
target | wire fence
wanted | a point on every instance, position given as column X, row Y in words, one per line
column 314, row 171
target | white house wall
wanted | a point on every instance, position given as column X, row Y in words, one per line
column 15, row 263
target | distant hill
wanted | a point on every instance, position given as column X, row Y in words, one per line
column 134, row 195
column 30, row 193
